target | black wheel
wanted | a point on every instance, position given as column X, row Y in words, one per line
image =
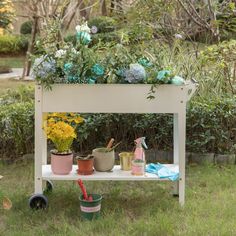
column 38, row 201
column 49, row 187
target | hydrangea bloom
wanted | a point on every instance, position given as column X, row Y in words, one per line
column 83, row 28
column 83, row 37
column 135, row 74
column 60, row 53
column 163, row 76
column 98, row 70
column 177, row 80
column 43, row 66
column 144, row 62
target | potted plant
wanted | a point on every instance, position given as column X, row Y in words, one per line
column 62, row 135
column 85, row 164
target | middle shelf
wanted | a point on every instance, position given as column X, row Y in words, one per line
column 115, row 174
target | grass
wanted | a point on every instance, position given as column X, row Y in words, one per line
column 13, row 62
column 128, row 208
column 12, row 84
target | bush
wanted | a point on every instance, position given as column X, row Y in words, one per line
column 13, row 44
column 210, row 128
column 111, row 37
column 71, row 38
column 26, row 27
column 17, row 123
column 104, row 24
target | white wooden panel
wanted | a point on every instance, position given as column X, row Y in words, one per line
column 114, row 98
column 116, row 174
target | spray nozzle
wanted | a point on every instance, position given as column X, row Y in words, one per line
column 140, row 142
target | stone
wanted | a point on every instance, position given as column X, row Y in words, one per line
column 225, row 159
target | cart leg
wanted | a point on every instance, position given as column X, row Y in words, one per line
column 179, row 153
column 38, row 188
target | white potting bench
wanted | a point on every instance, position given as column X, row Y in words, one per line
column 108, row 98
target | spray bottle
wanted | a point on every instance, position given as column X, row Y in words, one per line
column 139, row 153
column 139, row 163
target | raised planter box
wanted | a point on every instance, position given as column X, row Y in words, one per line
column 112, row 98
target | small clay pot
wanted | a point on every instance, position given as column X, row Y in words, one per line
column 103, row 160
column 85, row 166
column 61, row 164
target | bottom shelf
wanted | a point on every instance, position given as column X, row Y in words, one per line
column 115, row 174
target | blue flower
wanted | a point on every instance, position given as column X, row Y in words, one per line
column 135, row 74
column 43, row 66
column 83, row 37
column 164, row 76
column 98, row 70
column 144, row 62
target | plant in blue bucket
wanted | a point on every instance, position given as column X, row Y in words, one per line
column 90, row 204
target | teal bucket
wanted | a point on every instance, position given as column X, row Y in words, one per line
column 90, row 210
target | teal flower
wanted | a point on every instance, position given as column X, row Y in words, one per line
column 83, row 37
column 120, row 72
column 177, row 80
column 92, row 80
column 144, row 62
column 68, row 67
column 98, row 70
column 72, row 79
column 164, row 76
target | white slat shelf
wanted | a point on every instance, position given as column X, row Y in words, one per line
column 115, row 174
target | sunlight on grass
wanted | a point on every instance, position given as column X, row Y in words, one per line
column 128, row 208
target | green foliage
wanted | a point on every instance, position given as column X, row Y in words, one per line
column 210, row 128
column 13, row 44
column 220, row 58
column 26, row 27
column 104, row 24
column 17, row 123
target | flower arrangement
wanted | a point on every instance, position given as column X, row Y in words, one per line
column 62, row 136
column 82, row 63
column 60, row 129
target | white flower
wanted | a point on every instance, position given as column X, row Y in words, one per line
column 178, row 36
column 60, row 53
column 84, row 28
column 73, row 50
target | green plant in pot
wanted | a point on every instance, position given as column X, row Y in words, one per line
column 62, row 135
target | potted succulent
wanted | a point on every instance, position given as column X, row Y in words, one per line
column 62, row 135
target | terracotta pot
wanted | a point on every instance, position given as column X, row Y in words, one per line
column 103, row 161
column 85, row 166
column 61, row 164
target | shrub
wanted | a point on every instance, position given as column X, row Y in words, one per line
column 13, row 44
column 104, row 24
column 26, row 27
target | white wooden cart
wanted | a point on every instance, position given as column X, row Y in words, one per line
column 109, row 98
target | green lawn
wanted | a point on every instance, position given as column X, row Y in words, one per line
column 13, row 62
column 128, row 208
